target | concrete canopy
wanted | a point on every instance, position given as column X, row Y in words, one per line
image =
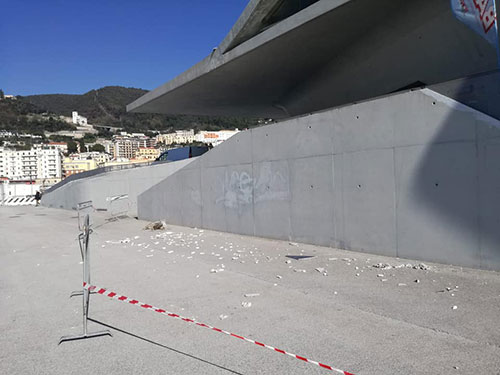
column 329, row 53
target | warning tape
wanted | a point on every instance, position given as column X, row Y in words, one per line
column 113, row 295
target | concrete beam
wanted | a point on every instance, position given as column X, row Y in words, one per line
column 332, row 53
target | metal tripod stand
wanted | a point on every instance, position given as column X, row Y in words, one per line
column 83, row 240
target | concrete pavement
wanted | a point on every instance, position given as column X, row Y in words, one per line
column 336, row 307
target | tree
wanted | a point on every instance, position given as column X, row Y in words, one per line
column 97, row 147
column 89, row 138
column 2, row 95
column 72, row 147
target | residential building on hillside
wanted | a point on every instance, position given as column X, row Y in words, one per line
column 77, row 119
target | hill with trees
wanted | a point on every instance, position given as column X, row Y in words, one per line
column 23, row 117
column 106, row 106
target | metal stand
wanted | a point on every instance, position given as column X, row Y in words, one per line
column 81, row 208
column 83, row 240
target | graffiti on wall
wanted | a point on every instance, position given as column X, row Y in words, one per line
column 240, row 190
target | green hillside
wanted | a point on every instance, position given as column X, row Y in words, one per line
column 106, row 106
column 24, row 117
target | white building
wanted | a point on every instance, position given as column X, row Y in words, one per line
column 99, row 157
column 215, row 138
column 109, row 146
column 41, row 163
column 61, row 146
column 179, row 137
column 77, row 119
column 9, row 189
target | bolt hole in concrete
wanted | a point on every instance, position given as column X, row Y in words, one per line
column 310, row 127
column 436, row 184
column 312, row 186
column 359, row 186
column 433, row 103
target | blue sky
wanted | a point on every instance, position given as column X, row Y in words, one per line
column 71, row 47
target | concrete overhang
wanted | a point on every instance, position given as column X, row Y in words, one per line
column 330, row 53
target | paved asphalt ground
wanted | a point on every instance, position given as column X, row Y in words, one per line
column 352, row 318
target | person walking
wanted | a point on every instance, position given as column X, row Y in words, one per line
column 38, row 196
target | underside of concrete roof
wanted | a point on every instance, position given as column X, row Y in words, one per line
column 287, row 57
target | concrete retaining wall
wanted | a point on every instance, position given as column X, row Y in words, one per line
column 413, row 175
column 103, row 187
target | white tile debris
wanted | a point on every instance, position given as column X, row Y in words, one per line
column 215, row 270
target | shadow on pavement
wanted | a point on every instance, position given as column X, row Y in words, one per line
column 163, row 346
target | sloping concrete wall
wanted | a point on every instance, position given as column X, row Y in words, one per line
column 102, row 188
column 413, row 175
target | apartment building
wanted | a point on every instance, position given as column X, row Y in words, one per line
column 179, row 137
column 149, row 153
column 39, row 163
column 72, row 166
column 127, row 145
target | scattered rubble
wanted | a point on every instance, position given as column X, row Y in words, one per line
column 156, row 225
column 246, row 304
column 251, row 295
column 387, row 266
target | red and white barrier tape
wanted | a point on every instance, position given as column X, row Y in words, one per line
column 113, row 295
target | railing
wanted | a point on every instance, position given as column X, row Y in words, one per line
column 98, row 171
